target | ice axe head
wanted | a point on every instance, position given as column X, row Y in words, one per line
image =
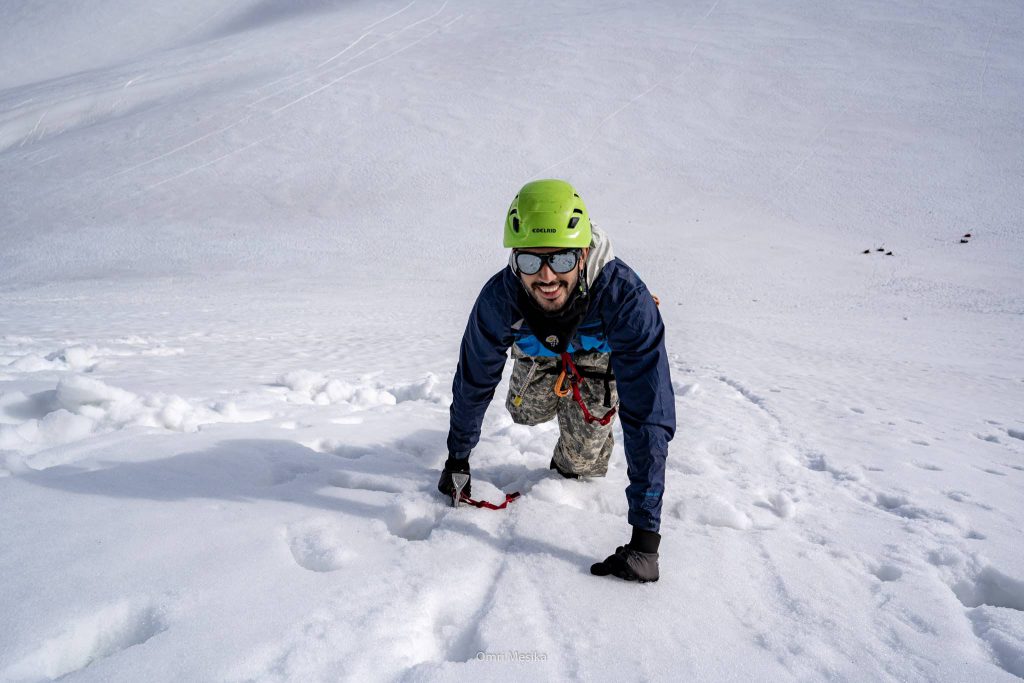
column 459, row 481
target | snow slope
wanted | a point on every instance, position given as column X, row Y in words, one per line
column 239, row 244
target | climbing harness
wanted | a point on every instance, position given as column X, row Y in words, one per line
column 570, row 371
column 561, row 392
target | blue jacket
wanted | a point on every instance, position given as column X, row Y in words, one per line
column 622, row 318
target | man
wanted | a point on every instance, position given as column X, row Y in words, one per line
column 585, row 333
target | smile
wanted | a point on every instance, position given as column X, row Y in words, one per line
column 550, row 291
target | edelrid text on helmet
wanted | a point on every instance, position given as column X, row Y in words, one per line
column 547, row 213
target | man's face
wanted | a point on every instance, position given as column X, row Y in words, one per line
column 550, row 289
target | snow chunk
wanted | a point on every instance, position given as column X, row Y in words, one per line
column 422, row 390
column 717, row 511
column 72, row 358
column 1003, row 631
column 306, row 386
column 84, row 406
column 682, row 389
column 74, row 393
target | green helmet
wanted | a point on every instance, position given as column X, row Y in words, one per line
column 547, row 213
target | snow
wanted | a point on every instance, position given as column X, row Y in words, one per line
column 240, row 241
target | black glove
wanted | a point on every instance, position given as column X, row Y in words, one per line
column 453, row 464
column 635, row 561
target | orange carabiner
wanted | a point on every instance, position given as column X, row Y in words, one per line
column 559, row 391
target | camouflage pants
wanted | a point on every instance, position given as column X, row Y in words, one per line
column 583, row 448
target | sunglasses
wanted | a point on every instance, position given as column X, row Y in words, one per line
column 559, row 261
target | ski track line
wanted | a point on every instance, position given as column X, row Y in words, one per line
column 176, row 149
column 210, row 17
column 988, row 55
column 34, row 129
column 217, row 132
column 208, row 163
column 777, row 473
column 797, row 611
column 458, row 649
column 45, row 159
column 251, row 115
column 214, row 133
column 366, row 33
column 373, row 63
column 627, row 105
column 276, row 111
column 938, row 528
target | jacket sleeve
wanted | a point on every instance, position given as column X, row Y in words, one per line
column 482, row 359
column 646, row 400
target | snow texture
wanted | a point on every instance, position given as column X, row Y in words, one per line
column 239, row 241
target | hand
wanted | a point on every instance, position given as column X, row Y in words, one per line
column 635, row 561
column 453, row 465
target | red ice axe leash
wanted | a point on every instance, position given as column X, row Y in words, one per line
column 509, row 497
column 459, row 481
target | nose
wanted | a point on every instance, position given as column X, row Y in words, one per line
column 545, row 273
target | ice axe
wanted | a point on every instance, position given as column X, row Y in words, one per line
column 459, row 481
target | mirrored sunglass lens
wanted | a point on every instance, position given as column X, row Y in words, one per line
column 563, row 263
column 528, row 263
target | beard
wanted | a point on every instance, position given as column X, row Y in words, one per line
column 551, row 305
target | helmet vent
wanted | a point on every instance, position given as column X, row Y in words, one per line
column 515, row 223
column 573, row 221
column 579, row 211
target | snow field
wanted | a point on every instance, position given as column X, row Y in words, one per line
column 342, row 474
column 240, row 242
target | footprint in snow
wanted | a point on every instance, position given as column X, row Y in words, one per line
column 338, row 448
column 716, row 511
column 105, row 631
column 413, row 519
column 780, row 504
column 318, row 545
column 964, row 497
column 370, row 482
column 285, row 473
column 887, row 572
column 991, row 587
column 901, row 506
